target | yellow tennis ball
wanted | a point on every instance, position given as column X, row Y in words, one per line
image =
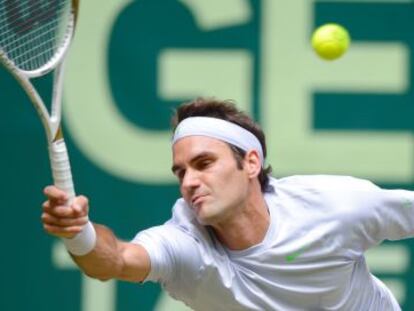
column 330, row 41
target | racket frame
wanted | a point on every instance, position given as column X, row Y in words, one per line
column 51, row 120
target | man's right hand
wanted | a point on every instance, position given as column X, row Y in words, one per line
column 110, row 258
column 62, row 220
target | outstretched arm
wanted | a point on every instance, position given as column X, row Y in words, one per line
column 108, row 257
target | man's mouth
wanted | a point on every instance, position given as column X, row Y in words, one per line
column 197, row 199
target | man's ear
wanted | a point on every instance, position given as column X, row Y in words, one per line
column 252, row 163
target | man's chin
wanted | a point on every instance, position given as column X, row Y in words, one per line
column 201, row 218
column 204, row 218
column 202, row 222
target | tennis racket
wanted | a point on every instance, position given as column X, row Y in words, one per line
column 34, row 38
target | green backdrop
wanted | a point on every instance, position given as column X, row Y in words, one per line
column 133, row 61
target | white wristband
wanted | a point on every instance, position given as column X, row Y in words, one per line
column 83, row 242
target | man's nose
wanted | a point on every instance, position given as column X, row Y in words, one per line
column 191, row 180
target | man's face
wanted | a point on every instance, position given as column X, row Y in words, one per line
column 210, row 181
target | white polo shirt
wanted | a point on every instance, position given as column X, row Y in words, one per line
column 310, row 259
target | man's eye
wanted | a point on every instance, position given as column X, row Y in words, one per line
column 180, row 175
column 205, row 163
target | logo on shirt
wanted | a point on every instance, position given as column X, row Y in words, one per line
column 406, row 203
column 292, row 257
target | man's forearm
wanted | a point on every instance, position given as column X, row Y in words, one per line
column 104, row 262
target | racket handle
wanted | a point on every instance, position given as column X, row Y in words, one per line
column 62, row 175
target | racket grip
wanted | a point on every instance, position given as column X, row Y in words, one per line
column 62, row 175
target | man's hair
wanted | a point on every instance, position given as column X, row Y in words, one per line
column 226, row 110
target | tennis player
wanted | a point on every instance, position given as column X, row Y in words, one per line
column 239, row 239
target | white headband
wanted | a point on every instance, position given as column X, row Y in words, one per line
column 219, row 129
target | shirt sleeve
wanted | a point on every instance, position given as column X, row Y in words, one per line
column 172, row 252
column 157, row 243
column 377, row 214
column 175, row 259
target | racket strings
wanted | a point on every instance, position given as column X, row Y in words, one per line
column 42, row 46
column 33, row 32
column 30, row 13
